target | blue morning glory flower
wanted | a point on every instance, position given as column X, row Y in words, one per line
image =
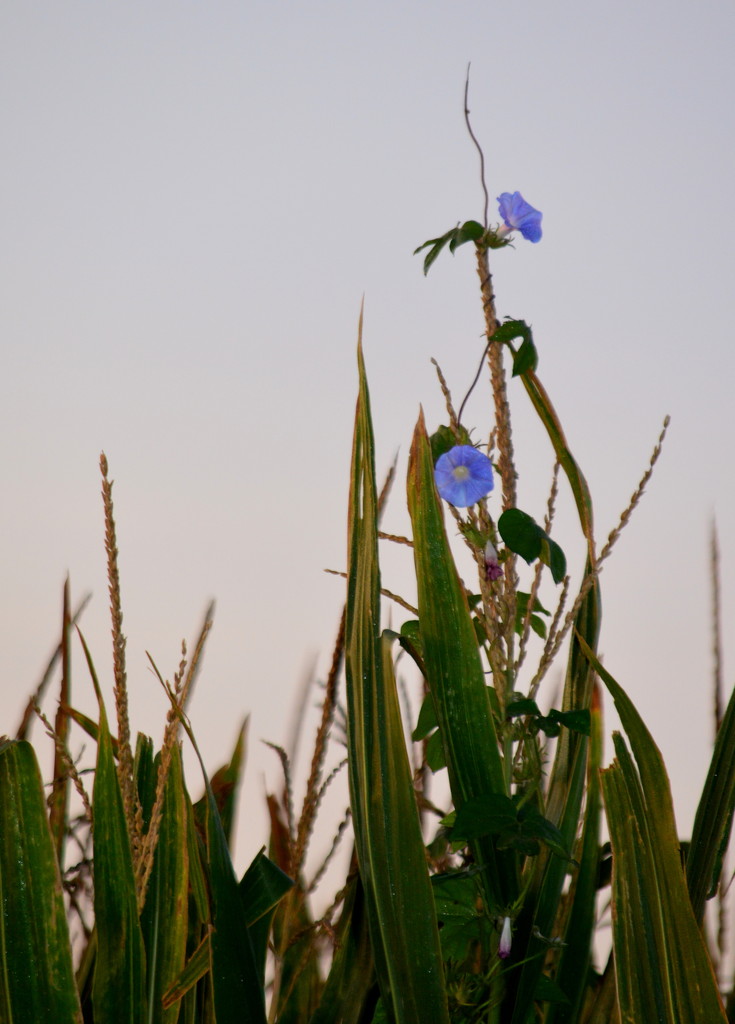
column 519, row 215
column 463, row 475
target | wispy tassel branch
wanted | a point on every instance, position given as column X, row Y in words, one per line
column 131, row 804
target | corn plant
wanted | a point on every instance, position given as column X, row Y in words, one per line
column 485, row 906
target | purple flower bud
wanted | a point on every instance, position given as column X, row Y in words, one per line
column 493, row 569
column 518, row 215
column 505, row 940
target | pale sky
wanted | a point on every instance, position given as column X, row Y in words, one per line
column 195, row 198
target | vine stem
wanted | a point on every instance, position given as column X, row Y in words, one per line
column 506, row 461
column 477, row 145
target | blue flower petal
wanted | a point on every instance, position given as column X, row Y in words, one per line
column 463, row 475
column 518, row 215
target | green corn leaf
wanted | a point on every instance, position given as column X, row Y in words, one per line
column 197, row 966
column 563, row 807
column 573, row 967
column 351, row 989
column 118, row 987
column 299, row 975
column 224, row 784
column 236, row 986
column 197, row 856
column 165, row 915
column 235, row 977
column 389, row 845
column 118, row 955
column 547, row 415
column 641, row 966
column 36, row 977
column 713, row 820
column 262, row 887
column 661, row 959
column 453, row 667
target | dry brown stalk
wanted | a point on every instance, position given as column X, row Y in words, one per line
column 399, row 600
column 716, row 626
column 287, row 803
column 339, row 898
column 506, row 463
column 553, row 493
column 504, row 436
column 314, row 787
column 556, row 634
column 66, row 758
column 556, row 638
column 526, row 625
column 453, row 421
column 58, row 798
column 313, row 797
column 196, row 658
column 383, row 592
column 177, row 694
column 131, row 803
column 332, row 849
column 535, row 586
column 21, row 732
column 636, row 497
column 721, row 906
column 396, row 538
column 297, row 836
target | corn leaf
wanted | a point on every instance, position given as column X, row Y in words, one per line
column 165, row 915
column 713, row 819
column 547, row 415
column 197, row 966
column 36, row 977
column 574, row 964
column 454, row 670
column 261, row 889
column 661, row 959
column 563, row 808
column 118, row 987
column 237, row 991
column 350, row 989
column 390, row 848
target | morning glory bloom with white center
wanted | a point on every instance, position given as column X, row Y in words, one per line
column 519, row 215
column 463, row 475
